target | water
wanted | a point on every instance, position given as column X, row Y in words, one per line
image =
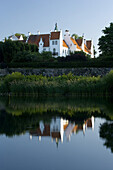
column 52, row 134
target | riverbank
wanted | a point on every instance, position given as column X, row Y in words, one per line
column 20, row 85
column 57, row 71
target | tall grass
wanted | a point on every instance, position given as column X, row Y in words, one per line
column 18, row 84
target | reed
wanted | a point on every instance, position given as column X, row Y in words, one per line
column 18, row 84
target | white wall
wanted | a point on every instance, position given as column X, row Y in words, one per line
column 41, row 44
column 67, row 39
column 56, row 47
column 65, row 51
column 92, row 50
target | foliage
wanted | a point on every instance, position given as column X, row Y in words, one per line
column 17, row 84
column 106, row 41
column 25, row 56
column 77, row 56
column 75, row 36
column 9, row 49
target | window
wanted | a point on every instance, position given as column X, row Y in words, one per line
column 63, row 51
column 55, row 42
column 52, row 42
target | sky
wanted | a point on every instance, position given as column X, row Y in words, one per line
column 88, row 17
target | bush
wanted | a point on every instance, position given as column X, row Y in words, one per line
column 18, row 84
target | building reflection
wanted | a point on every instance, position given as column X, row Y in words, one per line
column 60, row 128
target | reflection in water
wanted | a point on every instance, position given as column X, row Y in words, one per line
column 58, row 120
column 106, row 132
column 60, row 128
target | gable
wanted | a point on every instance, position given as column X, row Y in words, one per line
column 75, row 43
column 55, row 35
column 88, row 44
column 79, row 41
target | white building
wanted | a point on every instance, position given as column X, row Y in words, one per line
column 16, row 38
column 58, row 45
column 50, row 42
column 79, row 44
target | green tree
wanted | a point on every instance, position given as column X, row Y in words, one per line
column 106, row 41
column 75, row 36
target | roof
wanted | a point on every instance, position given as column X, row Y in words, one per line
column 35, row 39
column 75, row 42
column 86, row 49
column 55, row 35
column 88, row 44
column 79, row 41
column 64, row 44
column 18, row 36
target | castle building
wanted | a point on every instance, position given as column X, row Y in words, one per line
column 59, row 46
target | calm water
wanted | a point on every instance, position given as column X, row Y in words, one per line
column 54, row 134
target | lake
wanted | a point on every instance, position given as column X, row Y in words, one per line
column 56, row 133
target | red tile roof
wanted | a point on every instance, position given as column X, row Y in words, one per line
column 88, row 44
column 35, row 39
column 55, row 35
column 79, row 41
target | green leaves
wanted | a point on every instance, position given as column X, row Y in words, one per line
column 106, row 41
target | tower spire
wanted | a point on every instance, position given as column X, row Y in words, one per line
column 56, row 27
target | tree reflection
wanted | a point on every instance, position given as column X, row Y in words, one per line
column 106, row 132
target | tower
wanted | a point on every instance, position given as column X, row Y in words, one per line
column 56, row 27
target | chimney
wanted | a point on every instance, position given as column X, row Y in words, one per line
column 67, row 33
column 29, row 33
column 38, row 32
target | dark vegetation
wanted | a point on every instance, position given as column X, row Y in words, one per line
column 106, row 41
column 18, row 84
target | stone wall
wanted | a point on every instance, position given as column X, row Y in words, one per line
column 57, row 72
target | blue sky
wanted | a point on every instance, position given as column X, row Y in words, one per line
column 84, row 16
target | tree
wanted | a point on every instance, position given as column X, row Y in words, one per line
column 75, row 36
column 106, row 41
